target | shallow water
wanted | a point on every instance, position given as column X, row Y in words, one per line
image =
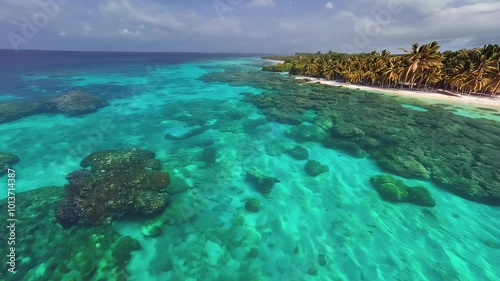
column 206, row 232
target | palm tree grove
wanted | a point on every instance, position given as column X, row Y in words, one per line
column 466, row 71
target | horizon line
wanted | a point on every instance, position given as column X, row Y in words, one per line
column 139, row 52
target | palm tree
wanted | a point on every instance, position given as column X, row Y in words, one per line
column 472, row 71
column 483, row 64
column 494, row 85
column 423, row 62
column 392, row 71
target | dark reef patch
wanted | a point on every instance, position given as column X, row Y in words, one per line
column 120, row 183
column 7, row 159
column 71, row 103
column 487, row 109
column 298, row 153
column 314, row 168
column 394, row 190
column 261, row 182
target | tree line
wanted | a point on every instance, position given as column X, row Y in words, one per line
column 470, row 71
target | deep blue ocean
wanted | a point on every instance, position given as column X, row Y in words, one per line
column 320, row 218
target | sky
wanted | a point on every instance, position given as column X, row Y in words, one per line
column 247, row 26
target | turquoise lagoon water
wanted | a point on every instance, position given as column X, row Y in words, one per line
column 337, row 215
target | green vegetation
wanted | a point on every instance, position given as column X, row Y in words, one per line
column 395, row 190
column 280, row 67
column 475, row 71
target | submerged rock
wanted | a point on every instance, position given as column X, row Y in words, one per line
column 123, row 247
column 314, row 168
column 322, row 259
column 298, row 153
column 152, row 228
column 349, row 147
column 277, row 146
column 182, row 132
column 395, row 190
column 75, row 103
column 313, row 271
column 177, row 185
column 209, row 155
column 252, row 205
column 7, row 159
column 119, row 183
column 263, row 183
column 303, row 133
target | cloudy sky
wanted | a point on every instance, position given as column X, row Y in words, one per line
column 263, row 26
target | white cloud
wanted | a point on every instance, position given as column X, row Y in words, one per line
column 86, row 28
column 160, row 20
column 25, row 3
column 143, row 12
column 453, row 23
column 219, row 27
column 424, row 7
column 459, row 43
column 263, row 3
column 125, row 31
column 290, row 26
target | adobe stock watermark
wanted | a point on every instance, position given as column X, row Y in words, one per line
column 222, row 7
column 379, row 21
column 29, row 27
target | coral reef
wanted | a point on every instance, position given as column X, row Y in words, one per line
column 252, row 205
column 187, row 119
column 459, row 153
column 7, row 159
column 303, row 133
column 277, row 146
column 46, row 251
column 395, row 190
column 10, row 111
column 120, row 183
column 298, row 153
column 262, row 183
column 314, row 168
column 72, row 103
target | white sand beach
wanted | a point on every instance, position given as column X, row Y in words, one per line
column 429, row 97
column 275, row 61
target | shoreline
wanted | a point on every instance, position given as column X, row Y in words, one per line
column 426, row 96
column 275, row 61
